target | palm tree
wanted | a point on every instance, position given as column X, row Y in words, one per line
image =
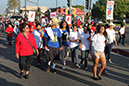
column 13, row 4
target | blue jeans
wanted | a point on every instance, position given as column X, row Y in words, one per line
column 64, row 54
column 108, row 50
column 84, row 56
column 74, row 53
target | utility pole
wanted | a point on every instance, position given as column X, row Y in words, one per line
column 90, row 8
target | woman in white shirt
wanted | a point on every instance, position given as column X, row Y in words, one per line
column 74, row 45
column 84, row 46
column 122, row 34
column 111, row 39
column 98, row 43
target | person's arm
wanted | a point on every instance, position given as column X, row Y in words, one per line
column 34, row 44
column 17, row 47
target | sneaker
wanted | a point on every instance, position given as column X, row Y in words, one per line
column 110, row 61
column 38, row 64
column 125, row 44
column 119, row 44
column 63, row 67
column 54, row 71
column 21, row 75
column 99, row 78
column 48, row 68
column 78, row 66
column 105, row 71
column 86, row 68
column 95, row 78
column 27, row 76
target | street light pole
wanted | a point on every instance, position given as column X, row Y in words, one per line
column 56, row 3
column 70, row 6
column 25, row 8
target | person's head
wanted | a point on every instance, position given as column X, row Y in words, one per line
column 55, row 22
column 38, row 26
column 24, row 28
column 101, row 29
column 95, row 24
column 111, row 25
column 74, row 28
column 107, row 26
column 80, row 26
column 85, row 29
column 22, row 21
column 9, row 25
column 90, row 26
column 122, row 25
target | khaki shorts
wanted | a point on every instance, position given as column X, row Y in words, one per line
column 99, row 54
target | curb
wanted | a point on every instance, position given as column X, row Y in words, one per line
column 120, row 51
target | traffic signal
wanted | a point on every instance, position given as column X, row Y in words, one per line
column 38, row 9
column 87, row 4
column 68, row 3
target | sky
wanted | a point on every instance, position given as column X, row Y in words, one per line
column 48, row 3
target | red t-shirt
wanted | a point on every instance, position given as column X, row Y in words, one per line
column 78, row 22
column 93, row 28
column 22, row 47
column 9, row 29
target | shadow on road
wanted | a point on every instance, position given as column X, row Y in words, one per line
column 4, row 82
column 8, row 70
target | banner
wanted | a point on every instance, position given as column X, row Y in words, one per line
column 109, row 11
column 31, row 17
column 53, row 14
column 68, row 19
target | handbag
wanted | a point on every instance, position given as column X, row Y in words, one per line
column 34, row 51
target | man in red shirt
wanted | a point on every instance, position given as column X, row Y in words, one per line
column 9, row 31
column 78, row 22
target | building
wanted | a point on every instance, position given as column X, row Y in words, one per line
column 61, row 12
column 32, row 8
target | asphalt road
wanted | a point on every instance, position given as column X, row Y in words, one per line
column 118, row 72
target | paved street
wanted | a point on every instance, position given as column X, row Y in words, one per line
column 118, row 72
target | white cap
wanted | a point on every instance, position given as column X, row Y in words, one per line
column 111, row 24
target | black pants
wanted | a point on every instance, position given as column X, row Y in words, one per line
column 53, row 54
column 123, row 39
column 25, row 62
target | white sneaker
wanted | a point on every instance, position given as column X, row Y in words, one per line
column 125, row 44
column 110, row 61
column 63, row 67
column 86, row 68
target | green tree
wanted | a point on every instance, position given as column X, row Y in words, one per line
column 14, row 4
column 79, row 6
column 99, row 10
column 121, row 8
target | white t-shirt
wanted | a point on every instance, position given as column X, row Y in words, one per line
column 80, row 30
column 17, row 23
column 85, row 43
column 99, row 42
column 122, row 30
column 74, row 36
column 110, row 35
column 38, row 38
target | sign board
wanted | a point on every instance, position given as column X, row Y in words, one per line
column 68, row 19
column 52, row 14
column 109, row 11
column 31, row 16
